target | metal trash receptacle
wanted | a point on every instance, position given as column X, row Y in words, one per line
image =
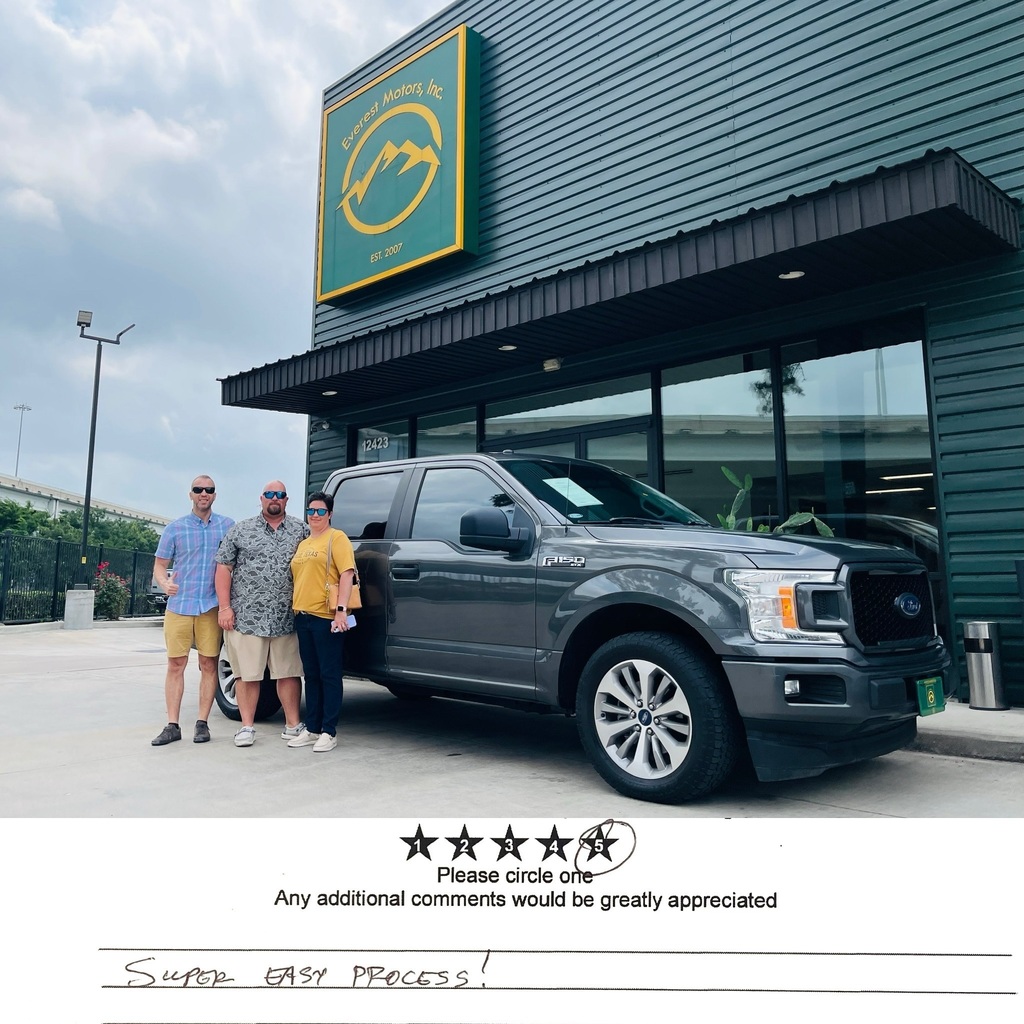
column 984, row 674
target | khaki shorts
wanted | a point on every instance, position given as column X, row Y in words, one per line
column 251, row 655
column 183, row 632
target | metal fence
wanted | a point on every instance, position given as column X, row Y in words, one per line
column 36, row 572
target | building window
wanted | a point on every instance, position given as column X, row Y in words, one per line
column 383, row 443
column 447, row 433
column 717, row 414
column 857, row 439
column 568, row 409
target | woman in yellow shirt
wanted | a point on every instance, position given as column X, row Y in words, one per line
column 320, row 595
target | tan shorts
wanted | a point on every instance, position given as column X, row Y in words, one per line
column 251, row 655
column 183, row 632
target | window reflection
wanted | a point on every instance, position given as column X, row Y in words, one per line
column 569, row 408
column 718, row 414
column 857, row 437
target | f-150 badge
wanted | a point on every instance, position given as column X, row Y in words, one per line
column 570, row 561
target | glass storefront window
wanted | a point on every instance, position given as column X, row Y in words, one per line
column 448, row 433
column 857, row 440
column 383, row 443
column 718, row 414
column 568, row 409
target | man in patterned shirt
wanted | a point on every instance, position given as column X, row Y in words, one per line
column 191, row 614
column 254, row 592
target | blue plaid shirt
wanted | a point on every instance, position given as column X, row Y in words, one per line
column 191, row 545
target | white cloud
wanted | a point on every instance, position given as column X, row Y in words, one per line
column 28, row 204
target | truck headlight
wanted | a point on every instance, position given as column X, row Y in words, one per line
column 771, row 600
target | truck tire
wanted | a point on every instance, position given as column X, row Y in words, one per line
column 268, row 705
column 654, row 719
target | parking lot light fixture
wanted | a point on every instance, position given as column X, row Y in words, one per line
column 84, row 321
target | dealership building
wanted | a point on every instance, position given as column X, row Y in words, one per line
column 697, row 242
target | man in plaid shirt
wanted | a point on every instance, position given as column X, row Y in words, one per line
column 191, row 543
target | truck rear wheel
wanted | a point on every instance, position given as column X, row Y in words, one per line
column 654, row 720
column 268, row 705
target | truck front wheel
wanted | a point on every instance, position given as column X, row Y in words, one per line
column 654, row 720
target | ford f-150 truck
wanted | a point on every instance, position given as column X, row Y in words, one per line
column 554, row 584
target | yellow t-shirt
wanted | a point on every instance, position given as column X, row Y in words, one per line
column 309, row 570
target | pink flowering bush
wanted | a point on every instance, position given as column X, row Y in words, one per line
column 112, row 593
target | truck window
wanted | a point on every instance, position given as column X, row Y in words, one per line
column 362, row 505
column 446, row 494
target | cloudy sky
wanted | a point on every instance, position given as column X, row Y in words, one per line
column 158, row 166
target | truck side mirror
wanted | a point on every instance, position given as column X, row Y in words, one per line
column 488, row 528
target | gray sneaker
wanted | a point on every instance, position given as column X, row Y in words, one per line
column 170, row 733
column 245, row 737
column 202, row 733
column 289, row 732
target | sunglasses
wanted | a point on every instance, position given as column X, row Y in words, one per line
column 275, row 494
column 204, row 490
column 316, row 511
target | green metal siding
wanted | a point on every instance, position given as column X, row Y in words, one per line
column 976, row 364
column 605, row 126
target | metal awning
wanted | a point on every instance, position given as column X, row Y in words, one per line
column 924, row 215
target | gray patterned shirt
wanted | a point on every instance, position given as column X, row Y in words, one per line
column 261, row 579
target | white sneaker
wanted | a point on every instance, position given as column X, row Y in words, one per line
column 324, row 743
column 304, row 738
column 291, row 731
column 245, row 737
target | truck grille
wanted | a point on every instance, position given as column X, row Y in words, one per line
column 877, row 599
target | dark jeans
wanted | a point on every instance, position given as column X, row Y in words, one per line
column 321, row 652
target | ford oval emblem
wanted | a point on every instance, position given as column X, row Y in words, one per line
column 908, row 605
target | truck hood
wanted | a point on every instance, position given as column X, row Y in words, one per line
column 763, row 550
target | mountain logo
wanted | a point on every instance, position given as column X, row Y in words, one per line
column 383, row 184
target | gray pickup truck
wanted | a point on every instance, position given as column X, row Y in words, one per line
column 553, row 584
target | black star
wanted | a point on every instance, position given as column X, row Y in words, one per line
column 553, row 845
column 598, row 844
column 509, row 844
column 418, row 843
column 464, row 844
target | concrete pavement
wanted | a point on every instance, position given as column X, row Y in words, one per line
column 959, row 731
column 78, row 709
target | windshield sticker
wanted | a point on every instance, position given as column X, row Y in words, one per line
column 573, row 492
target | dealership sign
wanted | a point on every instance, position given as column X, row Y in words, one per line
column 398, row 168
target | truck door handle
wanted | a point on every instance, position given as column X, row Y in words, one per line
column 409, row 571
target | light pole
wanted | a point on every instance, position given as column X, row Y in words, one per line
column 22, row 408
column 85, row 320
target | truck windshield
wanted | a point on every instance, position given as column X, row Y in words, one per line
column 586, row 492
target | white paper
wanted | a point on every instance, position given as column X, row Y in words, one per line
column 229, row 921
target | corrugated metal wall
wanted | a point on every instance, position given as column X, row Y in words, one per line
column 607, row 125
column 976, row 364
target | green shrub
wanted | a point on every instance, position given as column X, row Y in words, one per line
column 112, row 594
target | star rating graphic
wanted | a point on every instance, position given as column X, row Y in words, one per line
column 508, row 844
column 464, row 844
column 595, row 847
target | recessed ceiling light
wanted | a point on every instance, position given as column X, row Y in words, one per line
column 791, row 275
column 507, row 348
column 328, row 394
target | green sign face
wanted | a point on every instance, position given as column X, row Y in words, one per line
column 398, row 168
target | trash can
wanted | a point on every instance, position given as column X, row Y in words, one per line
column 984, row 675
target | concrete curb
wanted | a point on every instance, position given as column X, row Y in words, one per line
column 962, row 731
column 43, row 627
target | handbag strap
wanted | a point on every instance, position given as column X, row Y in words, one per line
column 327, row 564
